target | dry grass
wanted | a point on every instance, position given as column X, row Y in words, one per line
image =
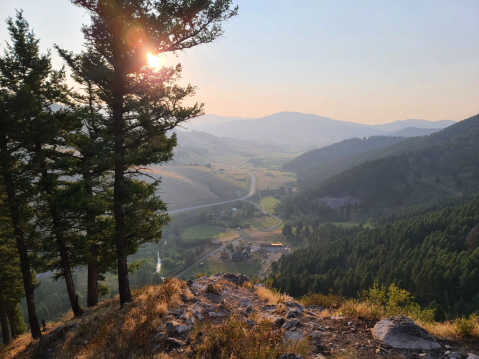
column 453, row 329
column 362, row 310
column 107, row 332
column 273, row 298
column 302, row 347
column 328, row 301
column 214, row 288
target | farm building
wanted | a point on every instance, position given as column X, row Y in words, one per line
column 215, row 243
column 277, row 245
column 224, row 254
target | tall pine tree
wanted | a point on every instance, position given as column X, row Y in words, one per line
column 142, row 104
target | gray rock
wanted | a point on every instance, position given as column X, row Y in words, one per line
column 400, row 332
column 260, row 285
column 245, row 302
column 190, row 320
column 174, row 342
column 291, row 356
column 472, row 356
column 250, row 322
column 238, row 278
column 290, row 323
column 160, row 336
column 199, row 316
column 198, row 307
column 216, row 314
column 293, row 313
column 313, row 334
column 294, row 306
column 278, row 321
column 293, row 336
column 453, row 355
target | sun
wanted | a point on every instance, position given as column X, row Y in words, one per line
column 153, row 61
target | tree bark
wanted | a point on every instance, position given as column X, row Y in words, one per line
column 4, row 324
column 19, row 238
column 118, row 187
column 57, row 231
column 93, row 272
column 93, row 268
column 67, row 273
column 13, row 325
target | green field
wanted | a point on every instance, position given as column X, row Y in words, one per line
column 268, row 203
column 203, row 231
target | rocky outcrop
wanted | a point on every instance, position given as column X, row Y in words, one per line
column 400, row 332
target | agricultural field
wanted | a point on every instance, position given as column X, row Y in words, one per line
column 187, row 186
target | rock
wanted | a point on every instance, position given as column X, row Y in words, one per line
column 313, row 334
column 453, row 355
column 190, row 320
column 278, row 321
column 260, row 285
column 238, row 279
column 198, row 307
column 215, row 298
column 290, row 323
column 472, row 356
column 293, row 313
column 294, row 305
column 400, row 332
column 291, row 356
column 199, row 316
column 216, row 314
column 174, row 327
column 250, row 322
column 173, row 342
column 245, row 302
column 294, row 336
column 160, row 336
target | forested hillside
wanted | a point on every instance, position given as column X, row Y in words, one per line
column 310, row 177
column 433, row 255
column 450, row 155
column 337, row 151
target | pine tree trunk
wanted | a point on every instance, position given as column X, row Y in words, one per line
column 92, row 298
column 20, row 239
column 13, row 324
column 4, row 324
column 119, row 197
column 93, row 269
column 60, row 240
column 67, row 273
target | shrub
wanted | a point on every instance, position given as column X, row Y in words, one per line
column 465, row 326
column 328, row 301
column 235, row 339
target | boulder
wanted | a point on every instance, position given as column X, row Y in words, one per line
column 473, row 356
column 400, row 332
column 278, row 321
column 294, row 306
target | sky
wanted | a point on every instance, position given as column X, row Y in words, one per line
column 363, row 61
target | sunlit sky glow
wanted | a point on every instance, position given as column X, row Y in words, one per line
column 362, row 61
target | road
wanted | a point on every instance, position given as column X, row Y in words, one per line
column 251, row 192
column 234, row 241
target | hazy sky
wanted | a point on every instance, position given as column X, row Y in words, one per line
column 361, row 61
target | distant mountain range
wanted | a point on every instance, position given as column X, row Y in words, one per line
column 299, row 129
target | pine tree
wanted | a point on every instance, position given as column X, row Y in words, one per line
column 144, row 104
column 20, row 68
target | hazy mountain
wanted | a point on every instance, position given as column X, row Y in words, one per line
column 414, row 132
column 211, row 120
column 399, row 125
column 335, row 152
column 311, row 176
column 299, row 129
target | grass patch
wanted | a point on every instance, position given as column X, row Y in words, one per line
column 203, row 231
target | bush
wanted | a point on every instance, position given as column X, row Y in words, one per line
column 328, row 301
column 235, row 339
column 465, row 326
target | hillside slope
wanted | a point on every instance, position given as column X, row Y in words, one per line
column 337, row 151
column 462, row 136
column 433, row 255
column 219, row 317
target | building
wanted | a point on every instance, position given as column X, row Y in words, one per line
column 237, row 257
column 216, row 243
column 224, row 254
column 276, row 245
